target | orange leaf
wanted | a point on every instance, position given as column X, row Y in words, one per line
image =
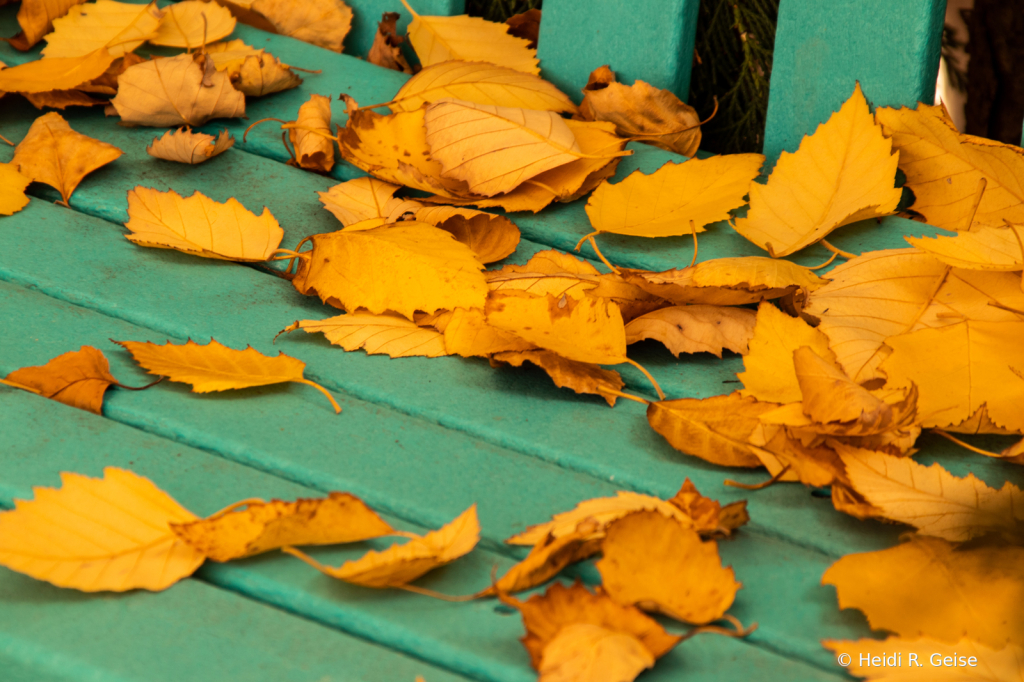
column 78, row 378
column 581, row 377
column 62, row 73
column 590, row 653
column 388, row 334
column 313, row 151
column 185, row 146
column 695, row 329
column 546, row 559
column 12, row 189
column 36, row 20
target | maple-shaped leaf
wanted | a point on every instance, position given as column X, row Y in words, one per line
column 201, row 226
column 482, row 83
column 944, row 168
column 36, row 20
column 546, row 559
column 716, row 429
column 664, row 203
column 581, row 377
column 987, row 248
column 385, row 50
column 324, row 23
column 898, row 590
column 215, row 367
column 173, row 91
column 844, row 172
column 192, row 24
column 54, row 154
column 930, row 498
column 77, row 378
column 695, row 329
column 313, row 150
column 62, row 73
column 436, row 272
column 491, row 237
column 236, row 533
column 387, row 334
column 12, row 189
column 988, row 664
column 99, row 534
column 186, row 146
column 545, row 615
column 495, row 149
column 401, row 564
column 659, row 564
column 121, row 27
column 468, row 334
column 582, row 652
column 642, row 112
column 464, row 38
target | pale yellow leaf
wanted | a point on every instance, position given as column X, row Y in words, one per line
column 12, row 189
column 186, row 146
column 468, row 334
column 320, row 22
column 64, row 73
column 120, row 27
column 695, row 329
column 193, row 23
column 392, row 335
column 582, row 652
column 987, row 248
column 36, row 20
column 491, row 237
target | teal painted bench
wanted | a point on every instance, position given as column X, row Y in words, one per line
column 419, row 439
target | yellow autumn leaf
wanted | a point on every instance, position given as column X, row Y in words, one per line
column 927, row 588
column 230, row 54
column 770, row 375
column 120, row 27
column 401, row 564
column 407, row 267
column 77, row 378
column 366, row 198
column 54, row 154
column 253, row 72
column 581, row 377
column 36, row 20
column 930, row 498
column 491, row 237
column 324, row 23
column 495, row 149
column 468, row 334
column 64, row 73
column 695, row 329
column 201, row 226
column 659, row 564
column 987, row 248
column 186, row 146
column 173, row 91
column 917, row 660
column 215, row 367
column 387, row 334
column 482, row 83
column 313, row 150
column 464, row 38
column 553, row 262
column 975, row 361
column 236, row 533
column 545, row 560
column 12, row 189
column 663, row 203
column 943, row 169
column 582, row 652
column 844, row 172
column 62, row 99
column 512, row 277
column 99, row 534
column 828, row 395
column 193, row 23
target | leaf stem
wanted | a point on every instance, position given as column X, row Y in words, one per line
column 693, row 230
column 839, row 252
column 6, row 140
column 14, row 384
column 232, row 507
column 590, row 238
column 256, row 123
column 661, row 394
column 826, row 263
column 963, row 444
column 337, row 407
column 436, row 595
column 411, row 10
column 979, row 193
column 758, row 486
column 139, row 388
column 620, row 394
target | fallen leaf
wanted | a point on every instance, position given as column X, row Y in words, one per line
column 77, row 378
column 12, row 189
column 927, row 588
column 844, row 172
column 664, row 203
column 185, row 146
column 525, row 25
column 930, row 498
column 545, row 560
column 545, row 615
column 770, row 375
column 659, row 564
column 263, row 74
column 495, row 149
column 715, row 429
column 990, row 665
column 36, row 20
column 385, row 51
column 324, row 23
column 173, row 91
column 482, row 83
column 313, row 151
column 99, row 534
column 695, row 329
column 491, row 237
column 464, row 38
column 364, row 199
column 642, row 112
column 44, row 75
column 828, row 395
column 201, row 226
column 513, row 278
column 582, row 652
column 581, row 377
column 987, row 248
column 387, row 334
column 468, row 334
column 54, row 154
column 61, row 99
column 191, row 24
column 121, row 27
column 215, row 367
column 401, row 564
column 263, row 526
column 436, row 272
column 709, row 517
column 788, row 458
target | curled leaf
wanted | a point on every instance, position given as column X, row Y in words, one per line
column 695, row 329
column 313, row 151
column 185, row 146
column 193, row 23
column 385, row 51
column 77, row 378
column 581, row 377
column 582, row 652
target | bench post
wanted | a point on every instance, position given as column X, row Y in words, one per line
column 651, row 41
column 821, row 48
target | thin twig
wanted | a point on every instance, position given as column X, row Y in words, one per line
column 758, row 486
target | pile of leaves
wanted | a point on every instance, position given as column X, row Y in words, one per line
column 842, row 372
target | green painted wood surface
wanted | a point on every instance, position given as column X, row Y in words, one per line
column 652, row 41
column 892, row 48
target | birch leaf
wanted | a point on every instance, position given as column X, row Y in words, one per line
column 987, row 248
column 54, row 154
column 263, row 526
column 264, row 74
column 468, row 334
column 401, row 564
column 542, row 284
column 663, row 203
column 844, row 172
column 991, row 665
column 582, row 652
column 581, row 377
column 99, row 534
column 482, row 83
column 193, row 23
column 831, row 396
column 312, row 150
column 186, row 146
column 364, row 199
column 695, row 329
column 491, row 237
column 215, row 367
column 324, row 23
column 120, row 27
column 78, row 378
column 64, row 73
column 36, row 20
column 12, row 189
column 388, row 334
column 201, row 226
